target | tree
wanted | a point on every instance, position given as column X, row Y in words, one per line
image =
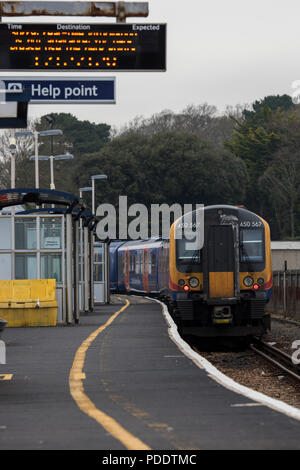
column 283, row 181
column 201, row 120
column 257, row 136
column 191, row 119
column 24, row 168
column 269, row 103
column 282, row 177
column 168, row 167
column 78, row 137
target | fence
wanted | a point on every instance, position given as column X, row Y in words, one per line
column 285, row 298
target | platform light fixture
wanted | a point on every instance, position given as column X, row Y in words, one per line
column 66, row 156
column 95, row 177
column 35, row 135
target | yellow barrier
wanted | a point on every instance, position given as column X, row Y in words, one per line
column 30, row 302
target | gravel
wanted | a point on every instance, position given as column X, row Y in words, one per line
column 283, row 333
column 247, row 368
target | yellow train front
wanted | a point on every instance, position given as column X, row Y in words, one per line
column 222, row 289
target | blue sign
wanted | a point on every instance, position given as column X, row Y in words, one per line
column 59, row 90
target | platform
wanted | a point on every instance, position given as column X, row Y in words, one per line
column 136, row 375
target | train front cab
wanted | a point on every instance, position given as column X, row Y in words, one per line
column 233, row 275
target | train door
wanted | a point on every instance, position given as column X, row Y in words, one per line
column 99, row 273
column 145, row 269
column 126, row 270
column 220, row 261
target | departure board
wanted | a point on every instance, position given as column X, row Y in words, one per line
column 75, row 47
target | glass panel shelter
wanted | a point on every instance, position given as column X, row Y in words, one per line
column 54, row 243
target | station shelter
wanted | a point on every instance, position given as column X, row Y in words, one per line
column 51, row 242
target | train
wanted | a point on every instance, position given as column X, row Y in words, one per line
column 219, row 290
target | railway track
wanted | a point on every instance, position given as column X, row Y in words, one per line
column 277, row 357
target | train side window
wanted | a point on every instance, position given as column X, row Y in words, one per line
column 137, row 264
column 153, row 263
column 132, row 263
column 148, row 265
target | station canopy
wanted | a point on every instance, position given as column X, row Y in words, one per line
column 14, row 197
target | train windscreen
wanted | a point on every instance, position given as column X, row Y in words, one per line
column 252, row 245
column 187, row 256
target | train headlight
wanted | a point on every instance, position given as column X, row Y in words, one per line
column 181, row 282
column 194, row 282
column 260, row 281
column 248, row 281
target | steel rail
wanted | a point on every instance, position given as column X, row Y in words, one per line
column 280, row 358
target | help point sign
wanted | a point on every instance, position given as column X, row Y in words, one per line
column 60, row 90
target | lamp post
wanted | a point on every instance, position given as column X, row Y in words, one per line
column 85, row 189
column 13, row 151
column 36, row 134
column 96, row 177
column 52, row 133
column 67, row 156
column 50, row 119
column 84, row 252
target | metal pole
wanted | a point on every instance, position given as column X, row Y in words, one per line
column 76, row 272
column 36, row 153
column 12, row 171
column 284, row 290
column 91, row 283
column 13, row 246
column 52, row 185
column 69, row 268
column 93, row 196
column 13, row 149
column 52, row 140
column 80, row 224
column 107, row 273
column 81, row 261
column 86, row 268
column 38, row 246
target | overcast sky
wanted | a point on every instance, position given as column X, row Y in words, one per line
column 222, row 52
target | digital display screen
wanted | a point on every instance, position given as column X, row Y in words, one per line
column 94, row 47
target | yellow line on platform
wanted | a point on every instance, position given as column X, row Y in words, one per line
column 86, row 405
column 6, row 376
